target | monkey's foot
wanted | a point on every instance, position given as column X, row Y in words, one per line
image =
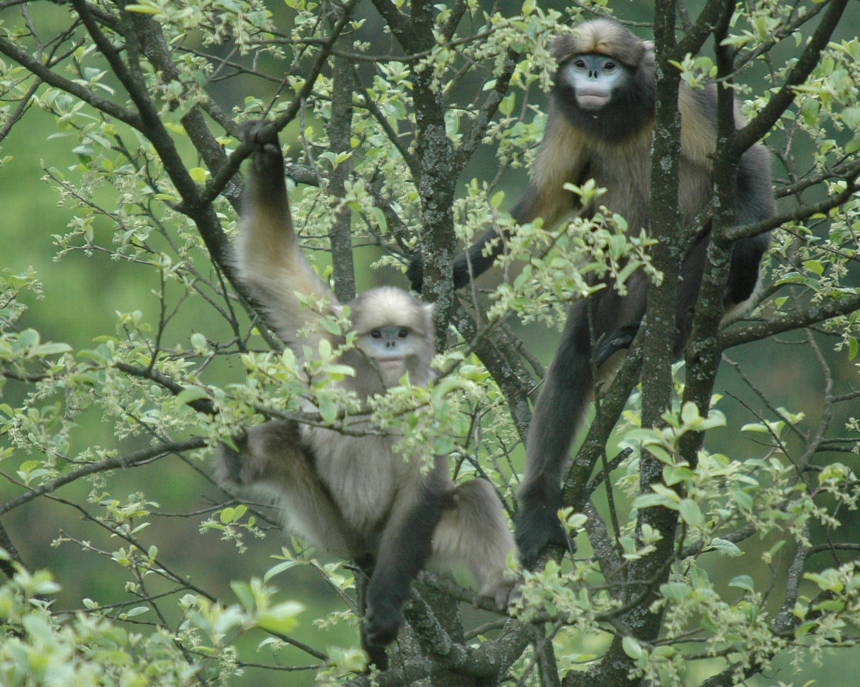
column 415, row 271
column 376, row 654
column 539, row 527
column 502, row 590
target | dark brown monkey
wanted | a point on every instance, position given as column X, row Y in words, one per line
column 352, row 495
column 600, row 126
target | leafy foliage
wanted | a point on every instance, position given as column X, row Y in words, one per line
column 444, row 113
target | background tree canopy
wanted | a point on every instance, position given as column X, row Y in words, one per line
column 128, row 348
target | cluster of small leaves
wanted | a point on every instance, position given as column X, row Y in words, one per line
column 828, row 115
column 599, row 247
column 530, row 33
column 38, row 647
column 216, row 22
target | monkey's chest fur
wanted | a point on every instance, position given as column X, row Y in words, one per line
column 364, row 478
column 624, row 169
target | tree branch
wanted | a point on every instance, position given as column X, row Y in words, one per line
column 128, row 461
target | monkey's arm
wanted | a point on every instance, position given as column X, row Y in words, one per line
column 269, row 258
column 562, row 158
column 753, row 203
column 274, row 461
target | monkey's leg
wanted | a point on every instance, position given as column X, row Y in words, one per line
column 403, row 550
column 744, row 273
column 558, row 412
column 550, row 203
column 473, row 530
column 753, row 203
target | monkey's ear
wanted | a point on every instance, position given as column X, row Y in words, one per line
column 562, row 46
column 428, row 309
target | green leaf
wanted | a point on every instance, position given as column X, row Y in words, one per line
column 631, row 647
column 743, row 582
column 690, row 512
column 379, row 216
column 660, row 454
column 280, row 618
column 651, row 500
column 726, row 547
column 831, row 605
column 279, row 568
column 804, row 628
column 328, row 410
column 198, row 174
column 137, row 610
column 675, row 591
column 815, row 266
column 664, row 491
column 690, row 413
column 743, row 499
column 39, row 628
column 198, row 340
column 190, row 394
column 243, row 592
column 53, row 349
column 142, row 9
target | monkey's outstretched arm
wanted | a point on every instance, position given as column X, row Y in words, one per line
column 269, row 258
column 562, row 158
column 273, row 460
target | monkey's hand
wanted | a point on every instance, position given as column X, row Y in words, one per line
column 538, row 525
column 618, row 340
column 415, row 271
column 267, row 158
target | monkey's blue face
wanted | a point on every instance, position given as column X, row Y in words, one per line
column 388, row 347
column 594, row 79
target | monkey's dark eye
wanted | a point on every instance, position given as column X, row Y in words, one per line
column 376, row 334
column 609, row 66
column 403, row 333
column 579, row 64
